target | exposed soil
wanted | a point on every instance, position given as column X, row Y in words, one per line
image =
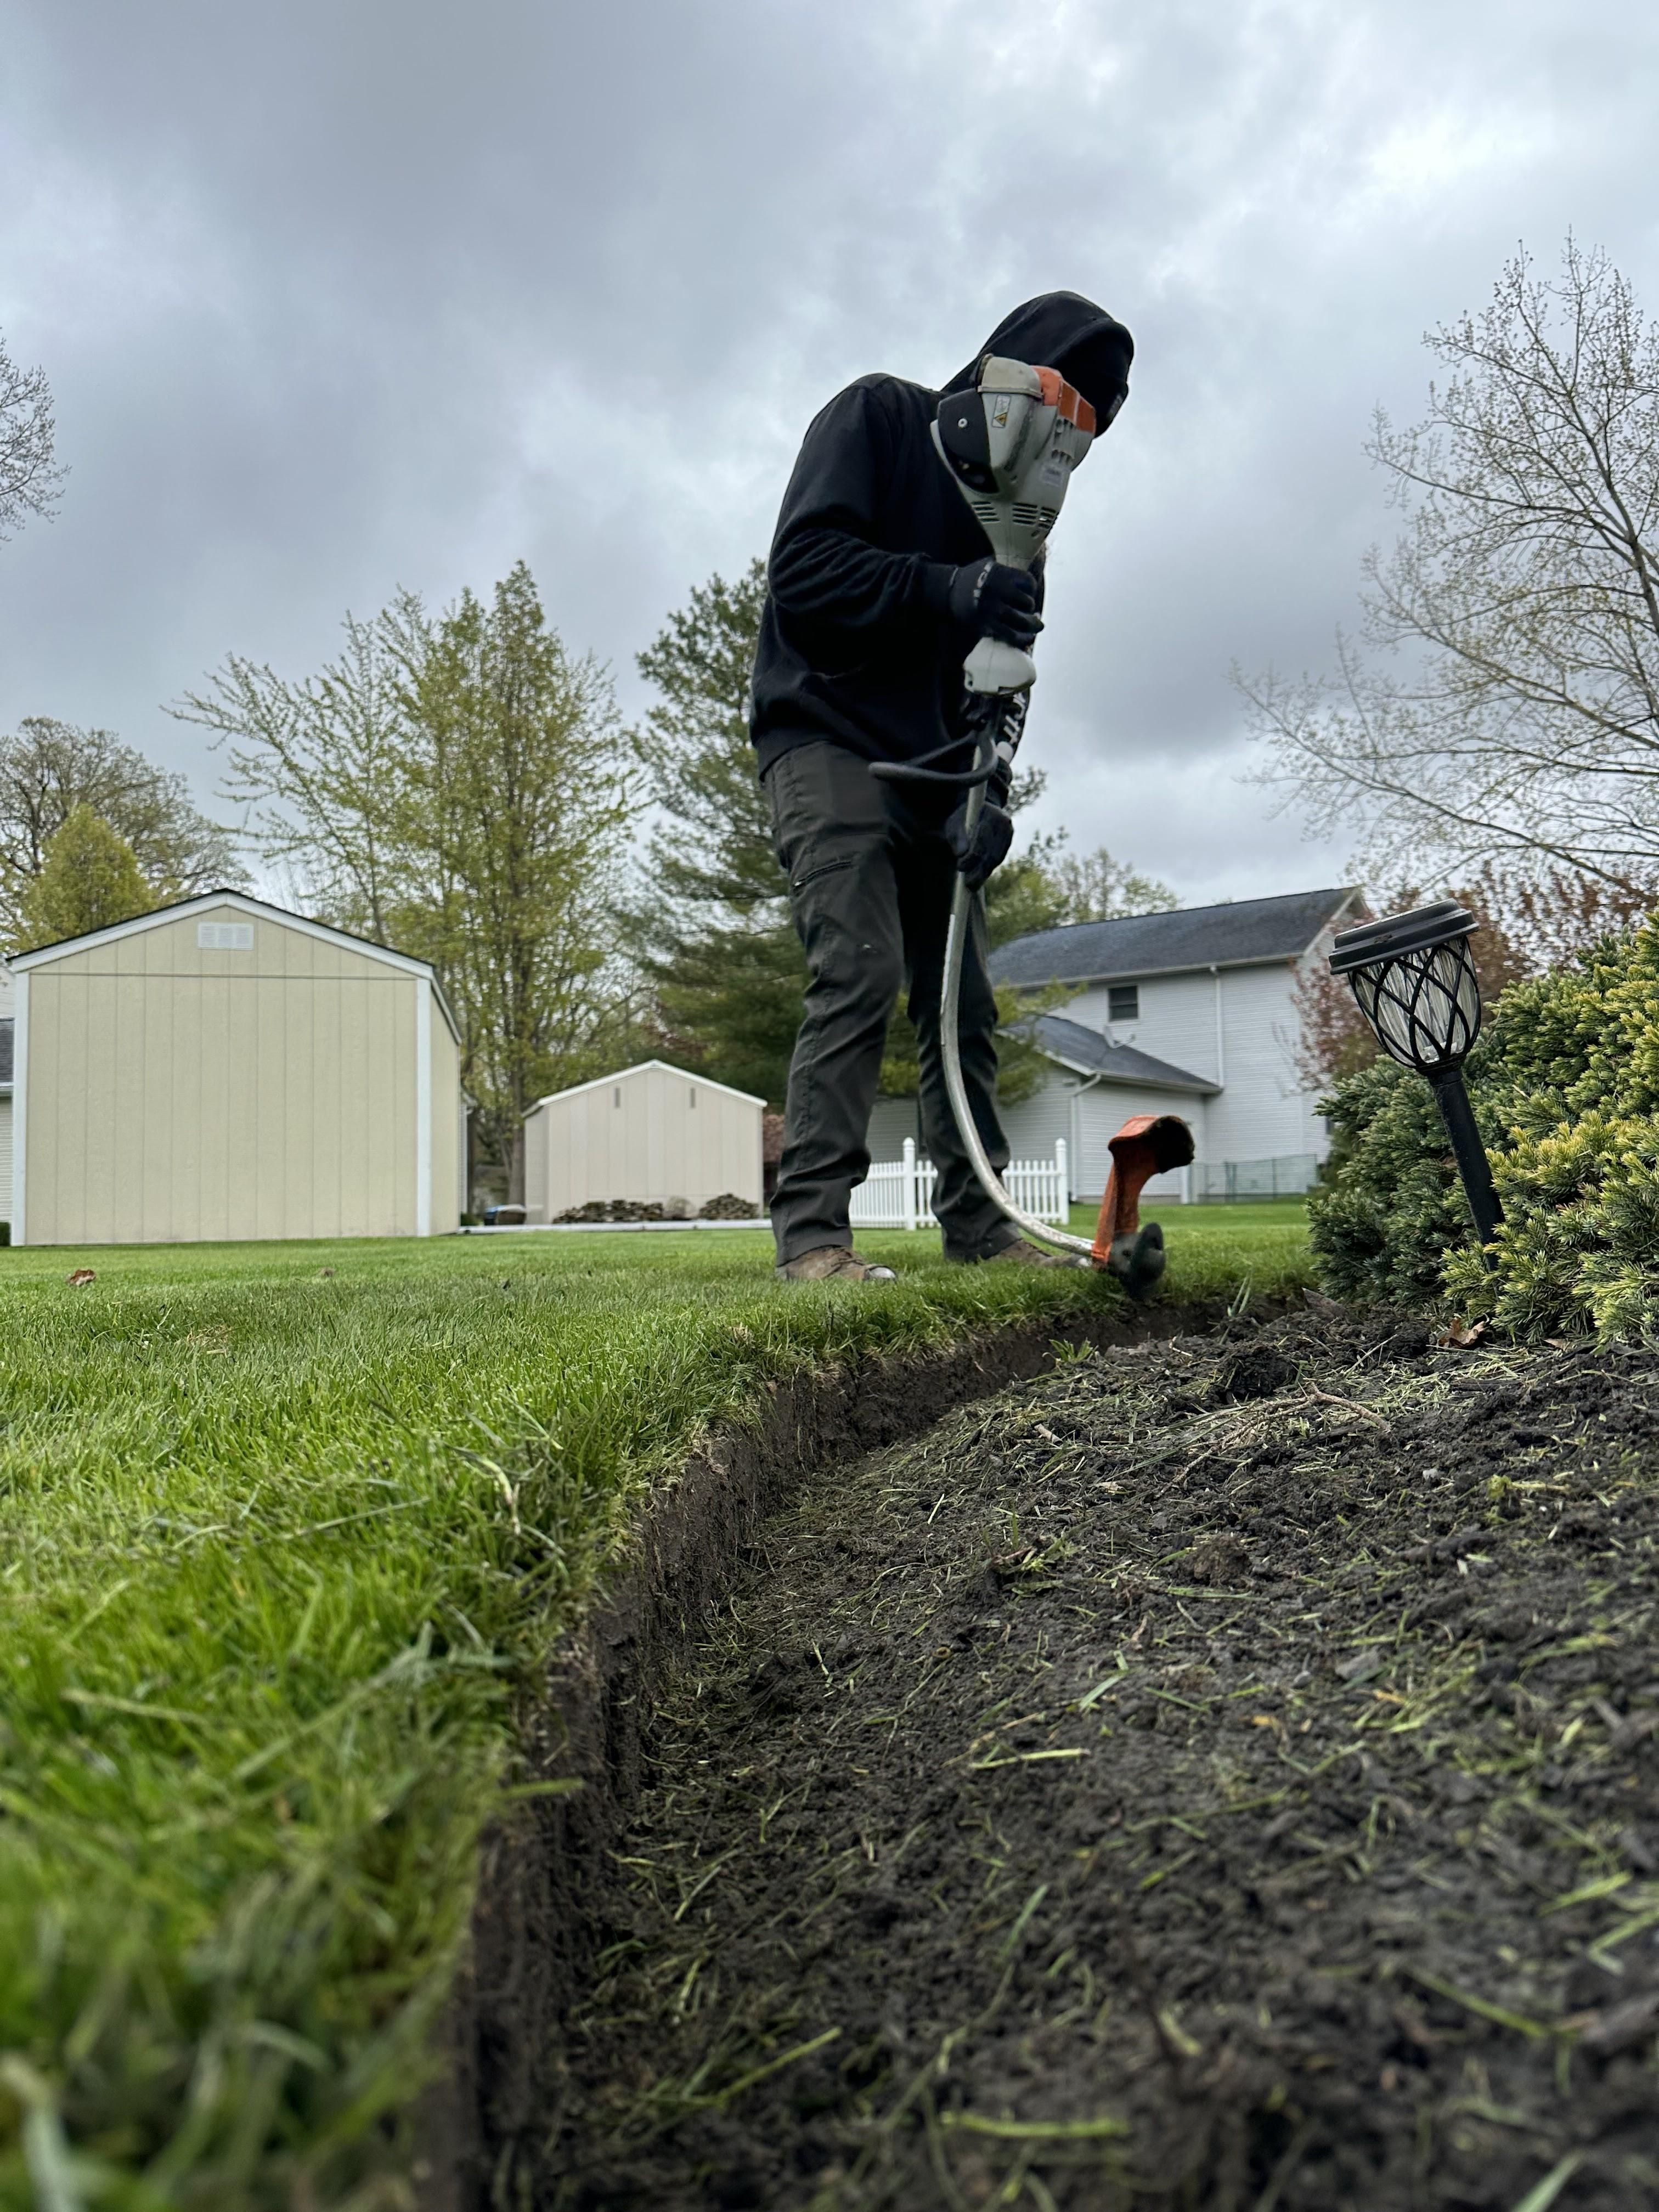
column 1222, row 1772
column 479, row 2127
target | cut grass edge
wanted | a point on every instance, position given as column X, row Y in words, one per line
column 274, row 1687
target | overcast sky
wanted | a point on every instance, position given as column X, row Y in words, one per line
column 335, row 298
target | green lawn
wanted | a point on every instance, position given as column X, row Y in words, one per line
column 281, row 1528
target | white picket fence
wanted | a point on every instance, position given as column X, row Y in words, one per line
column 898, row 1194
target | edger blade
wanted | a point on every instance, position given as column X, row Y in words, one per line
column 1148, row 1145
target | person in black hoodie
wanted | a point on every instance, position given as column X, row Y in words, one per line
column 879, row 583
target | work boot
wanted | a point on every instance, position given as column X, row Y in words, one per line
column 1020, row 1252
column 833, row 1263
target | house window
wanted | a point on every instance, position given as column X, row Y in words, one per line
column 1123, row 1002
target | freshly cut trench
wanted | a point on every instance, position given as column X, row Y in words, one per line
column 1223, row 1773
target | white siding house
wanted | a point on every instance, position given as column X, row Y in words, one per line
column 1191, row 1012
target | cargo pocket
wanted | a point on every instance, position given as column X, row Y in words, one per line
column 799, row 884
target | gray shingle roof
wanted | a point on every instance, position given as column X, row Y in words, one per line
column 5, row 1049
column 1089, row 1051
column 1233, row 935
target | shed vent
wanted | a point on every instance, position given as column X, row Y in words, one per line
column 224, row 936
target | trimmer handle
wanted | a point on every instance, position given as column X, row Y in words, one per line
column 907, row 772
column 1002, row 723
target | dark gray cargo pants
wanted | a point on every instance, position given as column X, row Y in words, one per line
column 870, row 883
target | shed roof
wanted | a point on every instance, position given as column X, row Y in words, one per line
column 644, row 1067
column 1088, row 1053
column 262, row 910
column 1240, row 933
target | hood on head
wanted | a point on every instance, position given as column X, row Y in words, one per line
column 1063, row 331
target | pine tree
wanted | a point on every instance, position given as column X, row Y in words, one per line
column 719, row 946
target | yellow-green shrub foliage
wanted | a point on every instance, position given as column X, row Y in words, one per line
column 1565, row 1086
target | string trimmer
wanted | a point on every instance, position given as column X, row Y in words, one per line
column 1011, row 441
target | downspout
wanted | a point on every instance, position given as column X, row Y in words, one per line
column 1220, row 1046
column 1074, row 1124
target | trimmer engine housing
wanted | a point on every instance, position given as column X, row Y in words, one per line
column 1012, row 443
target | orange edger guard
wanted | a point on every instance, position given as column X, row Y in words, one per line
column 1148, row 1145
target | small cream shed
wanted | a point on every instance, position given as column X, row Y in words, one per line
column 224, row 1069
column 651, row 1134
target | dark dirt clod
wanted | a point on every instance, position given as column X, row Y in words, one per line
column 1222, row 1773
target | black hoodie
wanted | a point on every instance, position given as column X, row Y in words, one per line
column 856, row 644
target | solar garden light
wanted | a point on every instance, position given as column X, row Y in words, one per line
column 1416, row 986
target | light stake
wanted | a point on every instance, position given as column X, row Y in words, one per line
column 1416, row 986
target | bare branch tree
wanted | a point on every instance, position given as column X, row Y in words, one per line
column 30, row 478
column 1514, row 715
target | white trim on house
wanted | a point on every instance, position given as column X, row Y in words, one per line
column 640, row 1068
column 20, row 1107
column 423, row 1106
column 261, row 910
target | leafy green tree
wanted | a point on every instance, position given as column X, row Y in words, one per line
column 1023, row 896
column 460, row 787
column 320, row 766
column 48, row 769
column 1095, row 887
column 517, row 807
column 89, row 879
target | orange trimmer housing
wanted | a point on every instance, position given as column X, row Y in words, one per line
column 1148, row 1145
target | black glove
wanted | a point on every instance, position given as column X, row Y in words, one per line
column 984, row 852
column 993, row 600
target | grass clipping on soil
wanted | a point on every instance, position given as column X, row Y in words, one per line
column 1221, row 1774
column 285, row 1532
column 1565, row 1088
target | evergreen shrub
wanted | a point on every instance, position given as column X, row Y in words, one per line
column 1566, row 1087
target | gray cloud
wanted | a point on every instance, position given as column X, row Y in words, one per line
column 334, row 300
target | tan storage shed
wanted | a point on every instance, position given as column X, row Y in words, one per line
column 5, row 1099
column 651, row 1134
column 224, row 1069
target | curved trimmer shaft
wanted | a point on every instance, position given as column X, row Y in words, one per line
column 1012, row 441
column 950, row 1052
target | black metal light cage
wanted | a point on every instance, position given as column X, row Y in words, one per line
column 1417, row 988
column 1415, row 983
